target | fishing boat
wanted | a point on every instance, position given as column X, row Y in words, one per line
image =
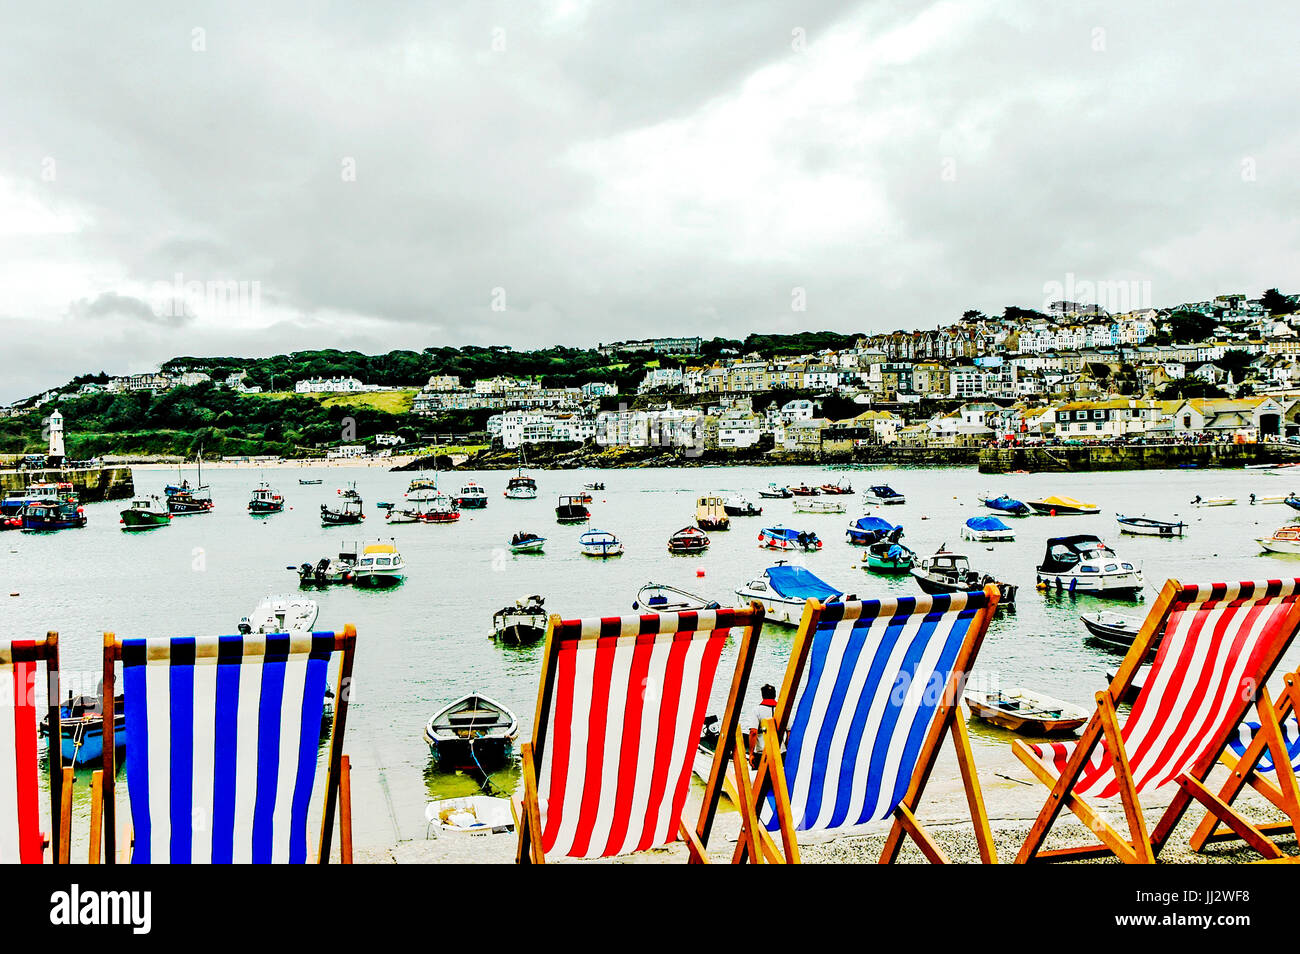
column 884, row 495
column 521, row 486
column 803, row 490
column 1007, row 505
column 784, row 538
column 662, row 598
column 348, row 511
column 1268, row 499
column 889, row 555
column 688, row 540
column 986, row 529
column 570, row 509
column 413, row 511
column 947, row 572
column 1084, row 564
column 265, row 500
column 1062, row 507
column 471, row 497
column 473, row 813
column 145, row 513
column 380, row 565
column 184, row 500
column 841, row 486
column 471, row 732
column 868, row 530
column 81, row 728
column 43, row 516
column 600, row 543
column 439, row 508
column 1283, row 540
column 739, row 506
column 327, row 571
column 783, row 590
column 1026, row 712
column 711, row 514
column 526, row 541
column 775, row 492
column 302, row 481
column 1149, row 526
column 1199, row 501
column 808, row 505
column 11, row 508
column 295, row 615
column 422, row 489
column 521, row 623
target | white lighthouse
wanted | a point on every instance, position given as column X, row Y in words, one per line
column 55, row 457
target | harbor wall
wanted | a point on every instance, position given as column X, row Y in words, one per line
column 93, row 484
column 1060, row 459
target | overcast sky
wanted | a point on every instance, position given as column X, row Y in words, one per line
column 384, row 175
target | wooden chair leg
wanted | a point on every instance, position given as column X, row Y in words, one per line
column 529, row 827
column 345, row 810
column 1137, row 825
column 1224, row 813
column 65, row 818
column 974, row 794
column 96, row 814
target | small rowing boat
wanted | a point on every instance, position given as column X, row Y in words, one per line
column 662, row 598
column 1026, row 712
column 600, row 544
column 809, row 505
column 471, row 732
column 1149, row 526
column 688, row 540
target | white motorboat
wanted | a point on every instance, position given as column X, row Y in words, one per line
column 784, row 590
column 295, row 615
column 520, row 623
column 1084, row 564
column 739, row 505
column 883, row 494
column 476, row 813
column 986, row 529
column 1284, row 540
column 380, row 565
column 471, row 497
column 1149, row 526
column 1199, row 501
column 521, row 486
column 818, row 505
column 600, row 543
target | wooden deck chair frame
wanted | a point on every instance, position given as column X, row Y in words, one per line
column 61, row 776
column 949, row 719
column 1142, row 846
column 338, row 775
column 529, row 826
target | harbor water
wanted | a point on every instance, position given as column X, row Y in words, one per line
column 428, row 640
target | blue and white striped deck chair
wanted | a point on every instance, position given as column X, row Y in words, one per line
column 222, row 742
column 871, row 689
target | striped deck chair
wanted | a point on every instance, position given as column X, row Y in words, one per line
column 871, row 689
column 1221, row 644
column 21, row 839
column 619, row 713
column 222, row 735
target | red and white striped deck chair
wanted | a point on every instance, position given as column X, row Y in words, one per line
column 21, row 838
column 870, row 692
column 1221, row 643
column 619, row 713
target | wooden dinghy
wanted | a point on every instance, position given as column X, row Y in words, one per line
column 1026, row 712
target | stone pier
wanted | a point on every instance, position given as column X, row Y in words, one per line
column 92, row 484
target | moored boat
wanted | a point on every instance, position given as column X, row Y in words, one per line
column 571, row 509
column 1149, row 526
column 145, row 513
column 1268, row 499
column 265, row 500
column 48, row 507
column 884, row 495
column 594, row 485
column 439, row 508
column 471, row 732
column 889, row 555
column 1056, row 506
column 1292, row 501
column 868, row 530
column 600, row 543
column 1025, row 711
column 775, row 492
column 521, row 486
column 1007, row 505
column 803, row 490
column 327, row 571
column 81, row 728
column 784, row 589
column 1084, row 564
column 808, row 505
column 380, row 564
column 1199, row 501
column 471, row 497
column 303, row 482
column 662, row 598
column 295, row 615
column 525, row 541
column 688, row 540
column 184, row 500
column 841, row 486
column 1116, row 631
column 711, row 514
column 986, row 529
column 785, row 538
column 520, row 623
column 1283, row 540
column 947, row 572
column 348, row 511
column 740, row 506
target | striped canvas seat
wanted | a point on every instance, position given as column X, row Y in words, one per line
column 1215, row 639
column 222, row 739
column 20, row 800
column 620, row 711
column 1247, row 732
column 875, row 677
